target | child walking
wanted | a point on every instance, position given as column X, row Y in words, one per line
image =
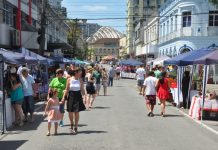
column 52, row 110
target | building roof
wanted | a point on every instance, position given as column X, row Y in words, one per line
column 105, row 33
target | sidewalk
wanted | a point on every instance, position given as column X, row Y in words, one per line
column 39, row 107
column 209, row 124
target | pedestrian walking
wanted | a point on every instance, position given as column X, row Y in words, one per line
column 16, row 94
column 140, row 74
column 104, row 80
column 76, row 92
column 59, row 83
column 97, row 75
column 52, row 109
column 29, row 94
column 150, row 93
column 111, row 75
column 118, row 69
column 90, row 88
column 158, row 71
column 163, row 91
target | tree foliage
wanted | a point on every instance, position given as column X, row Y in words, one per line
column 215, row 2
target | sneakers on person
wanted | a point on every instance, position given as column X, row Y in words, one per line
column 61, row 124
column 151, row 115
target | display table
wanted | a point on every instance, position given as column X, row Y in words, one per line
column 174, row 92
column 196, row 107
column 128, row 75
column 10, row 114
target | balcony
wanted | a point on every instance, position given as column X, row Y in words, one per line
column 183, row 32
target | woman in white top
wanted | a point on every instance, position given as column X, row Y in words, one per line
column 76, row 93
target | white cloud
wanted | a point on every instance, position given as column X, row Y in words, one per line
column 95, row 8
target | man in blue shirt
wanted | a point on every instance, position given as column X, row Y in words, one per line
column 111, row 75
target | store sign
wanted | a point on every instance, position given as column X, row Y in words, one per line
column 150, row 55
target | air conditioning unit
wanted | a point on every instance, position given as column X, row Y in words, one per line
column 15, row 38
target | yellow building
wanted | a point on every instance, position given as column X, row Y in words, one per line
column 104, row 42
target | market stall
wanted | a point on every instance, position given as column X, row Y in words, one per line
column 206, row 60
column 7, row 59
column 129, row 68
column 181, row 61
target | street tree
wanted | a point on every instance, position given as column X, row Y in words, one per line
column 73, row 36
column 215, row 2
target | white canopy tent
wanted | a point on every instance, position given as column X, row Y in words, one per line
column 158, row 61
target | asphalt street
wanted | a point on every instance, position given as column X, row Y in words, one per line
column 117, row 122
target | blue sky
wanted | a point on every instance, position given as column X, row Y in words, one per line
column 94, row 9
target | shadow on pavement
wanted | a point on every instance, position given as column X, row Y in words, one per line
column 28, row 126
column 91, row 132
column 11, row 145
column 100, row 107
column 169, row 115
column 118, row 86
column 79, row 125
column 105, row 95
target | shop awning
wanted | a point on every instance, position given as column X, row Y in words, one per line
column 41, row 59
column 12, row 57
column 17, row 58
column 187, row 58
column 211, row 58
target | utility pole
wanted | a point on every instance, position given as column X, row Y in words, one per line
column 43, row 28
column 74, row 37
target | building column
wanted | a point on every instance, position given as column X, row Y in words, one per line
column 18, row 19
column 30, row 12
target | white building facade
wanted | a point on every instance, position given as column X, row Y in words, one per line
column 150, row 47
column 187, row 25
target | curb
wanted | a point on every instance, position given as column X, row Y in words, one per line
column 198, row 122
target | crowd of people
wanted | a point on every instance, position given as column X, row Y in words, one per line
column 153, row 85
column 79, row 88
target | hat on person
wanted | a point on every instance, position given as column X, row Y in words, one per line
column 13, row 70
column 89, row 68
column 24, row 69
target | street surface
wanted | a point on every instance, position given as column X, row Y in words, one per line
column 117, row 122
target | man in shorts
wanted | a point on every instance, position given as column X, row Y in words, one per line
column 150, row 94
column 140, row 73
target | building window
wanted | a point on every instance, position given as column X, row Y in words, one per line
column 213, row 18
column 148, row 2
column 100, row 50
column 186, row 19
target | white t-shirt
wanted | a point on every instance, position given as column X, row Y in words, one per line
column 27, row 85
column 150, row 83
column 140, row 73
